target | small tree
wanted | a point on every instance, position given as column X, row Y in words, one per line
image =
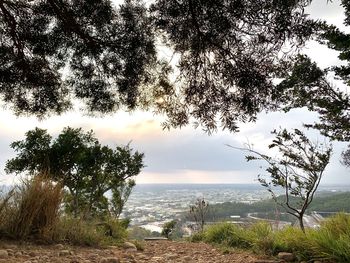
column 198, row 211
column 168, row 228
column 85, row 168
column 298, row 170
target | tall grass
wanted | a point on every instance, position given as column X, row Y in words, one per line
column 331, row 241
column 31, row 210
column 36, row 207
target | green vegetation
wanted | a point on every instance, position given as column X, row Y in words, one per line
column 228, row 59
column 331, row 241
column 168, row 228
column 298, row 170
column 64, row 197
column 86, row 169
column 139, row 233
column 32, row 211
column 329, row 202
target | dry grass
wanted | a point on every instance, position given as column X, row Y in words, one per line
column 32, row 208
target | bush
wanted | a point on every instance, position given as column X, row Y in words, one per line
column 139, row 233
column 168, row 228
column 330, row 242
column 197, row 237
column 89, row 233
column 261, row 237
column 227, row 234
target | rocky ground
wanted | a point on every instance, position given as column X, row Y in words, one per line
column 153, row 252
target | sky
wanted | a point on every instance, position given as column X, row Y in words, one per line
column 188, row 155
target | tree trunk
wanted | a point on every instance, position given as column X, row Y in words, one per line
column 301, row 223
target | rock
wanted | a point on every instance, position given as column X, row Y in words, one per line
column 64, row 253
column 18, row 254
column 10, row 246
column 187, row 258
column 10, row 250
column 157, row 259
column 113, row 247
column 143, row 257
column 289, row 257
column 3, row 253
column 58, row 246
column 129, row 246
column 93, row 256
column 266, row 261
column 171, row 256
column 110, row 260
column 32, row 254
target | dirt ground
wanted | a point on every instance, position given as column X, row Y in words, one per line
column 154, row 252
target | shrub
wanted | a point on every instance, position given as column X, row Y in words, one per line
column 227, row 234
column 138, row 233
column 331, row 241
column 168, row 228
column 89, row 233
column 197, row 237
column 261, row 237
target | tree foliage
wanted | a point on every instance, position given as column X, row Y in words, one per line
column 53, row 51
column 230, row 55
column 168, row 228
column 87, row 169
column 298, row 170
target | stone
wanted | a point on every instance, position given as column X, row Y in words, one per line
column 10, row 250
column 157, row 259
column 58, row 246
column 266, row 261
column 113, row 247
column 64, row 253
column 110, row 260
column 286, row 256
column 3, row 253
column 129, row 246
column 171, row 256
column 10, row 246
column 18, row 254
column 32, row 254
column 187, row 258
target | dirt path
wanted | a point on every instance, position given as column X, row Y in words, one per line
column 154, row 252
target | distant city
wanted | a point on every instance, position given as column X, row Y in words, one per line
column 150, row 205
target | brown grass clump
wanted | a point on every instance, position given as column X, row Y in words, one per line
column 32, row 209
